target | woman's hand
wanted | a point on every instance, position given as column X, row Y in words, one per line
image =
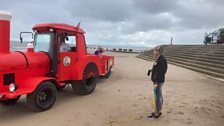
column 155, row 85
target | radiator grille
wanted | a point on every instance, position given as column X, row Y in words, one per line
column 8, row 78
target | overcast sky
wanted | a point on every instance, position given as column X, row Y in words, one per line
column 123, row 22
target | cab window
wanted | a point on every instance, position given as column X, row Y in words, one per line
column 42, row 42
column 71, row 41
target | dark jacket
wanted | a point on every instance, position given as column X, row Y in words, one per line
column 159, row 70
column 97, row 52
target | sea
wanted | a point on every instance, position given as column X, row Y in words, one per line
column 18, row 46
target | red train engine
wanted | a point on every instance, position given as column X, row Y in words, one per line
column 45, row 67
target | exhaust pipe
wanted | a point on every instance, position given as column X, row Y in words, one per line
column 5, row 18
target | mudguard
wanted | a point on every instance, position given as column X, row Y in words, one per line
column 85, row 62
column 27, row 86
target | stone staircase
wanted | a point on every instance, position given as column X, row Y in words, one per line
column 208, row 59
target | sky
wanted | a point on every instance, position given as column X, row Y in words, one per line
column 142, row 23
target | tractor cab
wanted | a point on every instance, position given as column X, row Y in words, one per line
column 60, row 42
column 63, row 44
column 46, row 42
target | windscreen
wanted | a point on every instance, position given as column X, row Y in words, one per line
column 43, row 42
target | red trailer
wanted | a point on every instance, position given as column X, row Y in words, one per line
column 44, row 67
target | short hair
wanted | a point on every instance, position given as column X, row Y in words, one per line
column 158, row 48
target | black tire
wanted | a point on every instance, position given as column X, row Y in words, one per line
column 43, row 98
column 10, row 101
column 108, row 74
column 88, row 84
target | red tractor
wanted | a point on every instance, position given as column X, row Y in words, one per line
column 44, row 67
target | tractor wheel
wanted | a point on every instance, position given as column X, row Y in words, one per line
column 43, row 98
column 108, row 74
column 10, row 101
column 88, row 84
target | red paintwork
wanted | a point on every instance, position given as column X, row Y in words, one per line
column 58, row 26
column 4, row 36
column 105, row 63
column 29, row 74
column 76, row 68
column 24, row 75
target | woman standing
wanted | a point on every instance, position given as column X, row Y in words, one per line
column 158, row 78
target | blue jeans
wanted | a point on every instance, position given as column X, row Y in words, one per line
column 158, row 98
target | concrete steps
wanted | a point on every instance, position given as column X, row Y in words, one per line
column 215, row 60
column 185, row 60
column 208, row 60
column 199, row 62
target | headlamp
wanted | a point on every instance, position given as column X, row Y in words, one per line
column 13, row 87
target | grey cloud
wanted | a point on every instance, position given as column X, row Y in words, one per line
column 192, row 14
column 162, row 21
column 156, row 6
column 107, row 10
column 201, row 14
column 112, row 20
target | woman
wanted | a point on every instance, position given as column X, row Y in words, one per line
column 158, row 78
column 99, row 51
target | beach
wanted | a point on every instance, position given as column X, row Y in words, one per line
column 125, row 99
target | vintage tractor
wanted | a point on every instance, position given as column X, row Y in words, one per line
column 44, row 68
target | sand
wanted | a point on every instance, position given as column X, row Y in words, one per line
column 125, row 99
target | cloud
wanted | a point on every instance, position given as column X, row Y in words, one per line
column 198, row 14
column 156, row 6
column 127, row 22
column 106, row 10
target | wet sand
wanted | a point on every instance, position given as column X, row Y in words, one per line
column 125, row 99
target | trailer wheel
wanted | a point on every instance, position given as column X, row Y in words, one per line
column 88, row 84
column 10, row 101
column 43, row 98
